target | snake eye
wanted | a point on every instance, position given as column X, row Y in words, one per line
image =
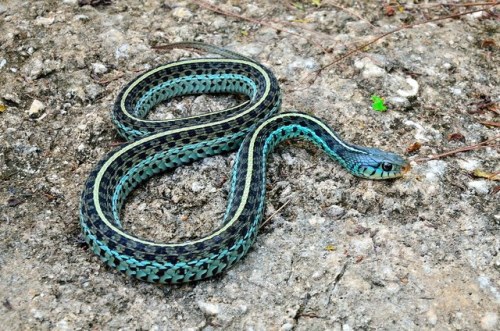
column 386, row 166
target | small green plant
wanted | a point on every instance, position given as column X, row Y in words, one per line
column 378, row 103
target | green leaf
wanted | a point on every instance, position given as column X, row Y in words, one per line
column 378, row 103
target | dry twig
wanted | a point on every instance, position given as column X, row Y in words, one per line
column 486, row 143
column 274, row 214
column 215, row 9
column 404, row 27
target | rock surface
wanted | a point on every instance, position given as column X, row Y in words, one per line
column 417, row 253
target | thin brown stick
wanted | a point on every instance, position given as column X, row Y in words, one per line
column 404, row 27
column 109, row 80
column 274, row 214
column 215, row 9
column 469, row 4
column 483, row 144
column 490, row 123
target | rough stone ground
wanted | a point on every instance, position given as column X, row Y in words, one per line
column 418, row 253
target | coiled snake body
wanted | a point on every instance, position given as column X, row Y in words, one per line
column 254, row 127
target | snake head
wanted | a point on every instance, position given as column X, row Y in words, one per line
column 378, row 164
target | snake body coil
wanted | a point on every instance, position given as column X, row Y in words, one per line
column 156, row 146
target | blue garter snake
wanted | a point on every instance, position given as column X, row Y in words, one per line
column 254, row 127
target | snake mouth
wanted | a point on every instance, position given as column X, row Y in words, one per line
column 405, row 168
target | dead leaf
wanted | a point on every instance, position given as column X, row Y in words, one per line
column 488, row 175
column 389, row 11
column 413, row 147
column 457, row 136
column 488, row 43
column 330, row 248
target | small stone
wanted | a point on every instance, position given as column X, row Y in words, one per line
column 489, row 321
column 287, row 327
column 469, row 165
column 44, row 21
column 3, row 62
column 93, row 91
column 83, row 18
column 99, row 68
column 456, row 91
column 182, row 13
column 398, row 101
column 335, row 211
column 122, row 51
column 370, row 69
column 208, row 308
column 197, row 187
column 413, row 88
column 36, row 108
column 480, row 186
column 12, row 97
column 35, row 68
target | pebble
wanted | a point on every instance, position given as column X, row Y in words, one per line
column 182, row 13
column 99, row 68
column 398, row 101
column 287, row 327
column 122, row 51
column 456, row 91
column 369, row 69
column 469, row 165
column 35, row 68
column 197, row 187
column 36, row 108
column 44, row 21
column 208, row 308
column 12, row 97
column 93, row 91
column 335, row 211
column 83, row 18
column 3, row 62
column 480, row 186
column 413, row 88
